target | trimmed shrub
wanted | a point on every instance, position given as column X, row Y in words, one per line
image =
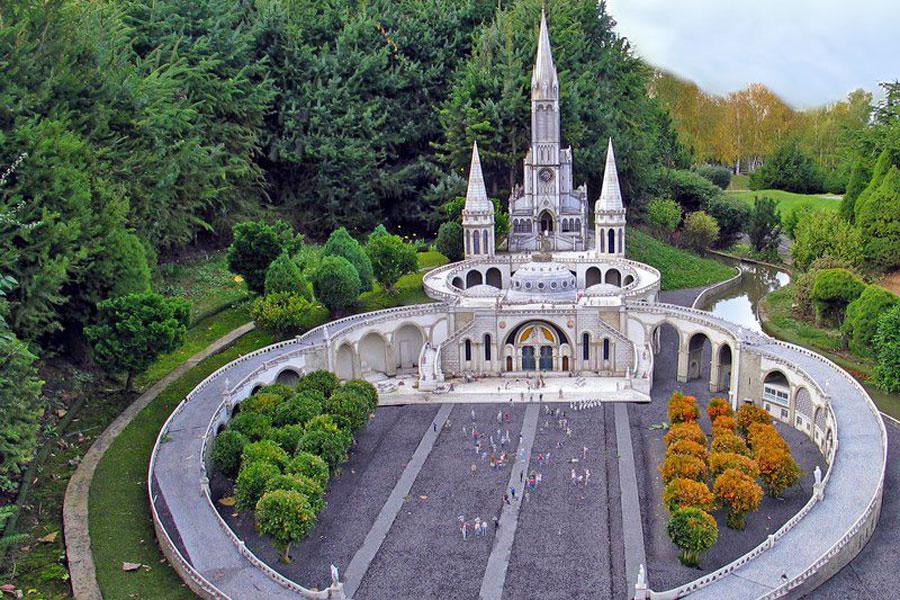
column 336, row 283
column 391, row 258
column 887, row 341
column 723, row 424
column 331, row 446
column 664, row 217
column 861, row 319
column 310, row 488
column 287, row 437
column 449, row 241
column 264, row 451
column 366, row 389
column 762, row 435
column 352, row 406
column 694, row 531
column 261, row 403
column 717, row 174
column 687, row 493
column 719, row 462
column 825, row 234
column 690, row 190
column 287, row 314
column 227, row 450
column 878, row 218
column 285, row 276
column 685, row 431
column 832, row 291
column 683, row 408
column 750, row 413
column 700, row 231
column 789, row 169
column 777, row 469
column 690, row 448
column 682, row 466
column 718, row 407
column 341, row 244
column 739, row 493
column 732, row 215
column 279, row 389
column 298, row 409
column 251, row 483
column 322, row 381
column 254, row 247
column 286, row 517
column 310, row 465
column 729, row 442
column 253, row 425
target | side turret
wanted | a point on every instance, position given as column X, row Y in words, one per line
column 478, row 214
column 609, row 212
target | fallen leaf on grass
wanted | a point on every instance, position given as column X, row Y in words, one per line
column 49, row 538
column 130, row 566
column 228, row 501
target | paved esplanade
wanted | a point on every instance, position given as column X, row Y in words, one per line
column 364, row 556
column 632, row 530
column 498, row 562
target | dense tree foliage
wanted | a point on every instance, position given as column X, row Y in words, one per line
column 719, row 175
column 336, row 283
column 286, row 314
column 694, row 532
column 284, row 276
column 832, row 291
column 700, row 231
column 664, row 216
column 861, row 319
column 790, row 169
column 450, row 240
column 887, row 344
column 764, row 228
column 391, row 258
column 341, row 243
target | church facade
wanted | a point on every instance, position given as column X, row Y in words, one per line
column 547, row 202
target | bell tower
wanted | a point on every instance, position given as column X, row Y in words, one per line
column 545, row 136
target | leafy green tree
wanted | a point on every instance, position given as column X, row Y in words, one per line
column 794, row 217
column 264, row 451
column 691, row 190
column 379, row 231
column 738, row 492
column 287, row 313
column 287, row 437
column 719, row 175
column 227, row 451
column 694, row 532
column 283, row 275
column 255, row 426
column 449, row 241
column 365, row 389
column 700, row 231
column 340, row 243
column 861, row 319
column 255, row 246
column 352, row 406
column 824, row 233
column 310, row 488
column 765, row 225
column 832, row 291
column 286, row 516
column 310, row 465
column 336, row 283
column 133, row 330
column 330, row 445
column 664, row 217
column 887, row 345
column 789, row 169
column 878, row 218
column 320, row 381
column 298, row 409
column 251, row 483
column 860, row 176
column 732, row 215
column 391, row 258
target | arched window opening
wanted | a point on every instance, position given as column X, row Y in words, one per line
column 605, row 348
column 621, row 239
column 468, row 350
column 585, row 346
column 611, row 241
column 487, row 346
column 468, row 242
column 484, row 235
column 477, row 245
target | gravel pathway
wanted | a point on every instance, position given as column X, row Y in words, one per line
column 563, row 544
column 354, row 498
column 424, row 555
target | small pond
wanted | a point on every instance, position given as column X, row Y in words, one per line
column 739, row 304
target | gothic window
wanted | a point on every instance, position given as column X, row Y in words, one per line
column 487, row 346
column 621, row 238
column 611, row 238
column 476, row 245
column 468, row 245
column 605, row 348
column 600, row 240
column 577, row 224
column 484, row 235
column 585, row 346
column 468, row 350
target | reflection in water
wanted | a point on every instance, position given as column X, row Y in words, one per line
column 738, row 305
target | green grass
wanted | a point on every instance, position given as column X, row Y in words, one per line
column 788, row 200
column 679, row 268
column 408, row 290
column 431, row 259
column 205, row 281
column 121, row 527
column 779, row 321
column 739, row 182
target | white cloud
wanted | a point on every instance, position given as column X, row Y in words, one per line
column 810, row 52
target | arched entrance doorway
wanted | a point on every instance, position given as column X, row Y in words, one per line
column 724, row 364
column 288, row 377
column 592, row 277
column 613, row 277
column 408, row 343
column 537, row 347
column 699, row 348
column 546, row 220
column 343, row 363
column 373, row 353
column 494, row 277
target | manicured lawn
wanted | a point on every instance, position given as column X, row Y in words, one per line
column 431, row 259
column 407, row 291
column 788, row 200
column 120, row 525
column 739, row 182
column 679, row 268
column 778, row 321
column 204, row 281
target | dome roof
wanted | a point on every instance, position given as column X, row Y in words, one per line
column 482, row 290
column 543, row 281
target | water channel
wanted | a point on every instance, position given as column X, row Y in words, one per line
column 740, row 303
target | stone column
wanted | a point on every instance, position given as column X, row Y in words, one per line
column 681, row 374
column 713, row 368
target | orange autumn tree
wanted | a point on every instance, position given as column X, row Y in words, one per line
column 687, row 493
column 685, row 431
column 749, row 414
column 760, row 435
column 739, row 493
column 724, row 424
column 726, row 441
column 683, row 408
column 777, row 469
column 690, row 448
column 719, row 462
column 682, row 466
column 718, row 407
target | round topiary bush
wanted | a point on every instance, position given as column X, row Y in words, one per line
column 322, row 381
column 718, row 407
column 764, row 435
column 719, row 462
column 366, row 389
column 310, row 465
column 263, row 403
column 287, row 437
column 286, row 516
column 832, row 291
column 253, row 425
column 722, row 424
column 689, row 447
column 336, row 283
column 683, row 408
column 750, row 413
column 861, row 319
column 330, row 445
column 298, row 409
column 341, row 244
column 685, row 431
column 227, row 450
column 310, row 488
column 739, row 493
column 694, row 532
column 687, row 493
column 777, row 469
column 264, row 451
column 682, row 466
column 449, row 240
column 351, row 405
column 729, row 442
column 287, row 313
column 251, row 483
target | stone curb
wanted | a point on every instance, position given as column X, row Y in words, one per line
column 75, row 506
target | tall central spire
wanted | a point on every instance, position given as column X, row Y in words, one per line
column 544, row 83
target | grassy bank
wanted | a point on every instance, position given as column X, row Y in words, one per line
column 779, row 321
column 788, row 201
column 121, row 528
column 679, row 268
column 204, row 281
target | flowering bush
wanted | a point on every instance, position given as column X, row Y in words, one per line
column 761, row 435
column 682, row 466
column 685, row 431
column 748, row 414
column 729, row 442
column 683, row 408
column 718, row 407
column 777, row 469
column 739, row 493
column 722, row 424
column 719, row 462
column 690, row 448
column 685, row 493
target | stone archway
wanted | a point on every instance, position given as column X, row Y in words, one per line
column 629, row 279
column 537, row 346
column 373, row 353
column 613, row 277
column 408, row 342
column 546, row 221
column 723, row 366
column 344, row 359
column 458, row 283
column 699, row 347
column 288, row 377
column 473, row 277
column 592, row 277
column 493, row 277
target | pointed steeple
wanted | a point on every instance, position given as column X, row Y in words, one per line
column 610, row 199
column 544, row 83
column 476, row 194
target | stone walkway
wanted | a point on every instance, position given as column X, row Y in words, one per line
column 498, row 562
column 632, row 530
column 366, row 553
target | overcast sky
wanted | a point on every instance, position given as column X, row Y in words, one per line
column 810, row 52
